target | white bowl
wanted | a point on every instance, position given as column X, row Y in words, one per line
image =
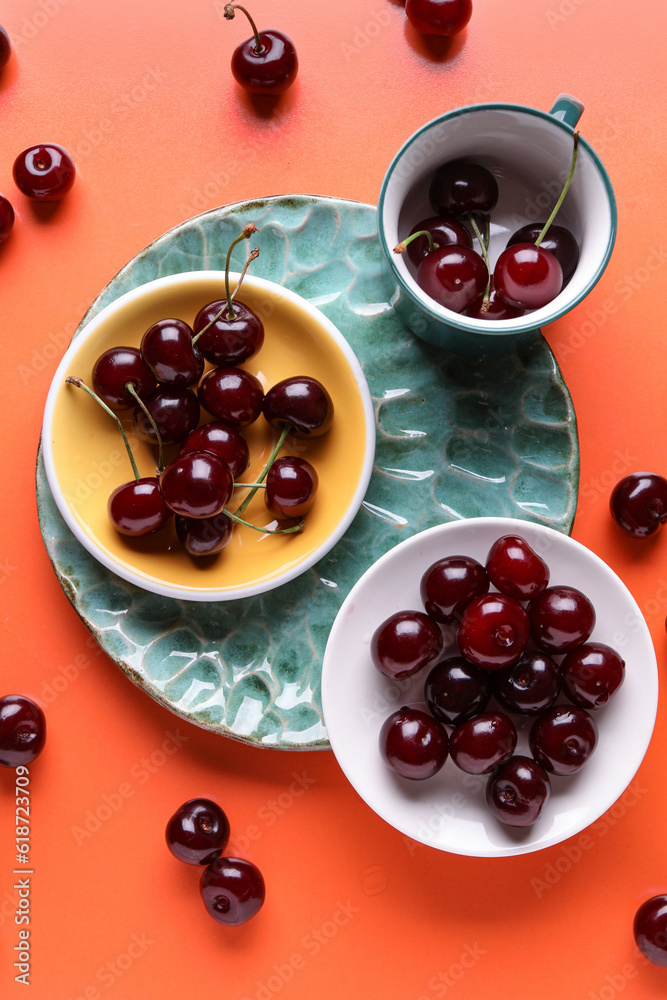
column 449, row 811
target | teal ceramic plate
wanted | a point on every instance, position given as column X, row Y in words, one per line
column 457, row 438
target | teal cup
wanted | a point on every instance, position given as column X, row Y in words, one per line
column 529, row 152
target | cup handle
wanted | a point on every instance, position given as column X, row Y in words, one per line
column 567, row 109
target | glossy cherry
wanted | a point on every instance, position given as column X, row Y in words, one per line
column 22, row 730
column 493, row 632
column 138, row 508
column 516, row 569
column 230, row 339
column 175, row 411
column 460, row 188
column 517, row 792
column 492, row 307
column 650, row 930
column 233, row 890
column 233, row 395
column 445, row 231
column 563, row 738
column 530, row 686
column 204, row 536
column 638, row 503
column 198, row 832
column 267, row 63
column 558, row 240
column 438, row 17
column 301, row 403
column 404, row 643
column 291, row 486
column 222, row 440
column 592, row 673
column 483, row 743
column 413, row 743
column 5, row 47
column 561, row 618
column 449, row 584
column 196, row 484
column 455, row 690
column 167, row 349
column 527, row 276
column 454, row 276
column 44, row 172
column 6, row 218
column 114, row 369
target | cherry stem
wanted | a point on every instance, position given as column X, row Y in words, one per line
column 563, row 192
column 266, row 531
column 402, row 247
column 80, row 384
column 245, row 235
column 484, row 248
column 250, row 486
column 265, row 471
column 229, row 14
column 140, row 403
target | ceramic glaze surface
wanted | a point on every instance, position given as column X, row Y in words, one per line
column 456, row 438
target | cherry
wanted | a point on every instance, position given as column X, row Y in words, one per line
column 492, row 307
column 196, row 484
column 515, row 569
column 493, row 632
column 404, row 643
column 561, row 618
column 530, row 686
column 559, row 241
column 444, row 229
column 638, row 503
column 6, row 218
column 413, row 743
column 300, row 403
column 527, row 276
column 232, row 395
column 175, row 411
column 291, row 485
column 459, row 188
column 114, row 369
column 137, row 508
column 591, row 674
column 438, row 17
column 449, row 584
column 44, row 172
column 5, row 47
column 562, row 739
column 22, row 730
column 517, row 791
column 650, row 930
column 267, row 63
column 167, row 349
column 481, row 744
column 222, row 440
column 229, row 339
column 204, row 536
column 455, row 690
column 455, row 276
column 233, row 890
column 198, row 832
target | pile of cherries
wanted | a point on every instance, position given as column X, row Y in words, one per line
column 22, row 730
column 524, row 644
column 531, row 271
column 233, row 889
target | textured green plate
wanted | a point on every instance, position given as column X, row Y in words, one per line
column 456, row 438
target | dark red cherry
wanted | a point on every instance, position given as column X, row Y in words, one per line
column 6, row 218
column 406, row 642
column 230, row 340
column 444, row 229
column 481, row 744
column 267, row 63
column 517, row 791
column 233, row 890
column 5, row 47
column 204, row 536
column 232, row 395
column 638, row 503
column 137, row 508
column 114, row 369
column 22, row 730
column 449, row 584
column 650, row 930
column 493, row 632
column 291, row 486
column 592, row 673
column 302, row 403
column 563, row 738
column 455, row 690
column 167, row 349
column 175, row 411
column 44, row 172
column 561, row 618
column 222, row 440
column 527, row 277
column 198, row 832
column 530, row 686
column 438, row 17
column 460, row 187
column 558, row 241
column 413, row 743
column 492, row 308
column 516, row 569
column 454, row 276
column 197, row 484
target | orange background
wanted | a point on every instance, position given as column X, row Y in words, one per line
column 141, row 94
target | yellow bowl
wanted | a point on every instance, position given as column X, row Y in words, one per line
column 85, row 458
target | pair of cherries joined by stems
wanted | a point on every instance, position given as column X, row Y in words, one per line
column 538, row 261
